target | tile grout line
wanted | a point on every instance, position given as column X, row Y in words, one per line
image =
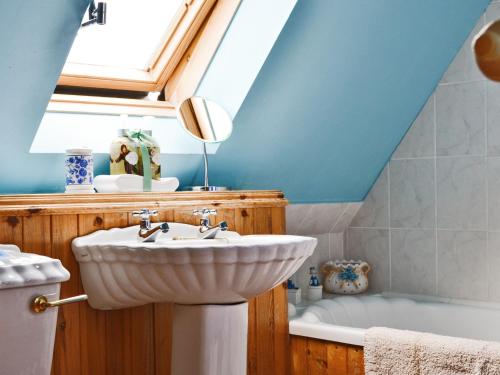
column 442, row 157
column 436, row 257
column 330, row 234
column 488, row 266
column 329, row 246
column 485, row 108
column 346, row 243
column 485, row 85
column 389, row 218
column 462, row 82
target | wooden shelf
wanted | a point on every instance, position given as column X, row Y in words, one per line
column 50, row 204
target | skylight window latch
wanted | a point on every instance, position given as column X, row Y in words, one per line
column 96, row 14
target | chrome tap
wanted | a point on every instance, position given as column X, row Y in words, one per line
column 209, row 231
column 148, row 233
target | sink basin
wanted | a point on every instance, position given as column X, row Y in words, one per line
column 118, row 271
column 208, row 280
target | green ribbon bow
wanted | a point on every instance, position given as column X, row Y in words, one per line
column 144, row 141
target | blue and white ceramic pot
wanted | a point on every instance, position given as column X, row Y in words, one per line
column 79, row 171
column 346, row 276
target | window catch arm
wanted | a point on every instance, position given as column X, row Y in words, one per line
column 96, row 14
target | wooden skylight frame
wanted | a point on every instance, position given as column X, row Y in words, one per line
column 176, row 69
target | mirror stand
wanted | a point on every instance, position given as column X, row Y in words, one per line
column 207, row 122
column 206, row 186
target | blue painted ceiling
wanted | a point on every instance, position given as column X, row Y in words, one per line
column 343, row 83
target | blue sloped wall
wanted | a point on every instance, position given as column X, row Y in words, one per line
column 341, row 86
column 343, row 83
column 35, row 38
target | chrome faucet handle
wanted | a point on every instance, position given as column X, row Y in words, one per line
column 148, row 233
column 145, row 213
column 204, row 212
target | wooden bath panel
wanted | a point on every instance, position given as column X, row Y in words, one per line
column 137, row 341
column 318, row 357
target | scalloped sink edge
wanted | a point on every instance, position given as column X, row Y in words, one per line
column 118, row 271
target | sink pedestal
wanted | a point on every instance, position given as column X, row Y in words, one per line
column 210, row 339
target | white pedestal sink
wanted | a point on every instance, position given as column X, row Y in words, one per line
column 208, row 280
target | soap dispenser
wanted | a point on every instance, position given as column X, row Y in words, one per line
column 315, row 289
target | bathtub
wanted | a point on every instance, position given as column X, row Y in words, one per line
column 344, row 319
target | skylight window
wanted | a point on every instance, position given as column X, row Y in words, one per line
column 132, row 36
column 149, row 54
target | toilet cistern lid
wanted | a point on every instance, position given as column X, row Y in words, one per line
column 18, row 269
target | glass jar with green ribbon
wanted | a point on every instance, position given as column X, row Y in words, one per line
column 136, row 152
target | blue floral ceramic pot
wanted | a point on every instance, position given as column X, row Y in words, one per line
column 79, row 171
column 345, row 276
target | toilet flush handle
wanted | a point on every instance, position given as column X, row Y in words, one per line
column 40, row 303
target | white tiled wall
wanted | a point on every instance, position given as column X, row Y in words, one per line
column 431, row 223
column 328, row 223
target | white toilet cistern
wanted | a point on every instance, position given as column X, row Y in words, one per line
column 27, row 335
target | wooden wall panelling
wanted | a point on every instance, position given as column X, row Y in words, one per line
column 264, row 306
column 186, row 216
column 166, row 215
column 311, row 356
column 264, row 328
column 278, row 222
column 337, row 355
column 280, row 306
column 93, row 322
column 11, row 230
column 141, row 332
column 37, row 235
column 163, row 313
column 67, row 345
column 317, row 360
column 298, row 347
column 138, row 341
column 134, row 220
column 262, row 223
column 252, row 338
column 227, row 215
column 281, row 335
column 243, row 220
column 355, row 360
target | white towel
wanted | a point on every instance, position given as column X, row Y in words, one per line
column 396, row 352
column 129, row 183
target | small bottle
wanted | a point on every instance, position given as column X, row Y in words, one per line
column 315, row 289
column 313, row 280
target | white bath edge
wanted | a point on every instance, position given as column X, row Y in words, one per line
column 327, row 332
column 345, row 319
